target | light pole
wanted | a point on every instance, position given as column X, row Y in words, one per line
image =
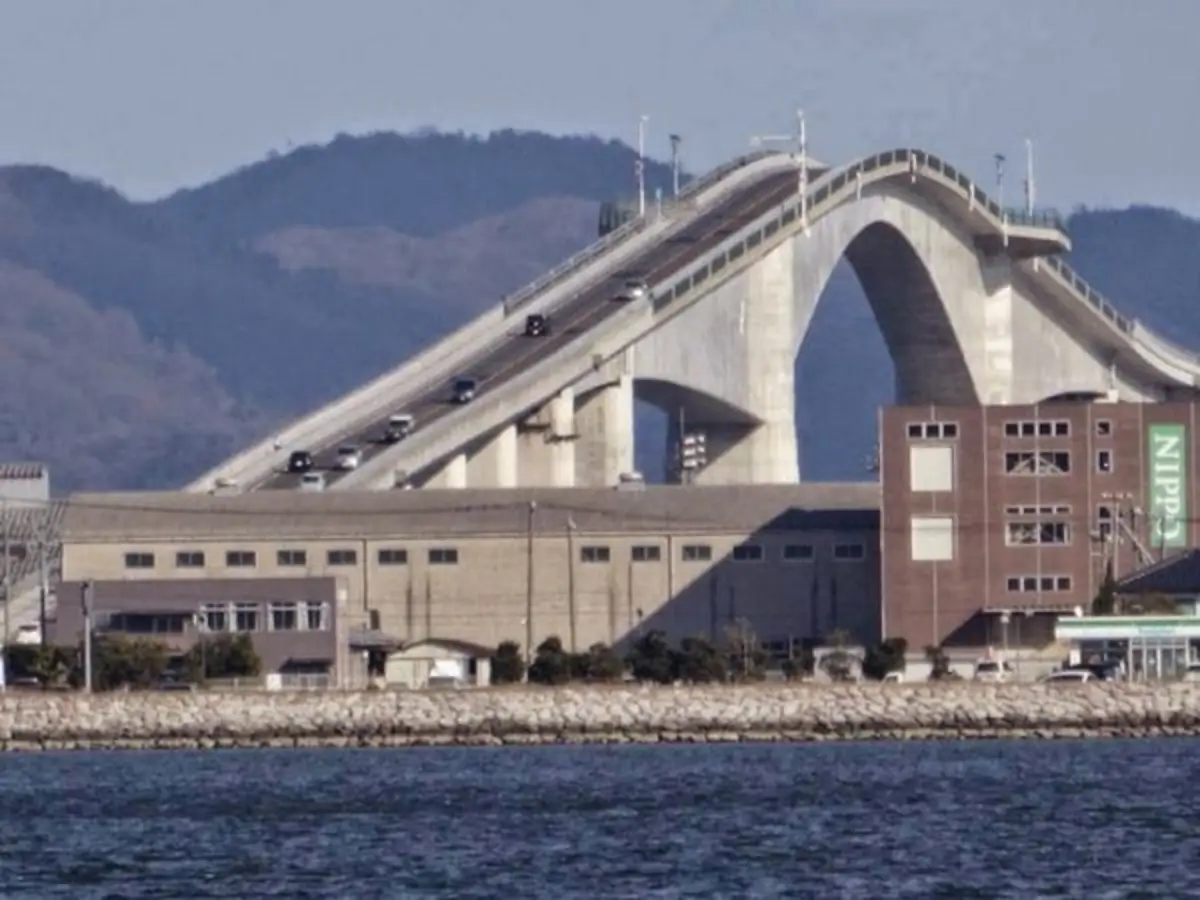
column 6, row 586
column 640, row 166
column 85, row 600
column 799, row 140
column 1000, row 159
column 571, row 579
column 529, row 585
column 1030, row 190
column 676, row 140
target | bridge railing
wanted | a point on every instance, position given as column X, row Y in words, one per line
column 685, row 199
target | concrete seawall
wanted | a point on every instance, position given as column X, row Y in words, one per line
column 30, row 721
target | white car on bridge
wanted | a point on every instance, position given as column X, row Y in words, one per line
column 348, row 458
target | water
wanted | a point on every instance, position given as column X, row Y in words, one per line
column 1021, row 820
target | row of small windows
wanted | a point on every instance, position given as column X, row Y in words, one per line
column 448, row 556
column 219, row 617
column 1038, row 428
column 240, row 559
column 933, row 431
column 1029, row 584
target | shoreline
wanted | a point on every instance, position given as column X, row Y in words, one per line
column 603, row 714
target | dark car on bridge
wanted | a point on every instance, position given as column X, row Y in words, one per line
column 464, row 389
column 300, row 461
column 537, row 325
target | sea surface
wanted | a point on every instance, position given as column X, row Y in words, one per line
column 1103, row 819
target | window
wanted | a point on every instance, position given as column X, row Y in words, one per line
column 316, row 616
column 933, row 431
column 443, row 556
column 241, row 559
column 341, row 557
column 594, row 554
column 149, row 623
column 189, row 559
column 1103, row 428
column 932, row 538
column 931, row 469
column 1037, row 428
column 393, row 556
column 1029, row 584
column 846, row 552
column 215, row 617
column 797, row 552
column 1043, row 462
column 748, row 553
column 282, row 616
column 139, row 560
column 1104, row 522
column 646, row 553
column 1060, row 509
column 245, row 617
column 1104, row 461
column 696, row 553
column 1037, row 534
column 291, row 558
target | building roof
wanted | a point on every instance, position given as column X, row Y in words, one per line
column 271, row 515
column 1176, row 574
column 21, row 471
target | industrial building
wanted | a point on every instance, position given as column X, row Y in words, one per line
column 789, row 562
column 997, row 520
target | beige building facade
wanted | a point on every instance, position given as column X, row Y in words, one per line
column 789, row 562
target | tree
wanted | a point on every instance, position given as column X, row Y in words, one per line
column 887, row 657
column 747, row 661
column 1105, row 602
column 599, row 664
column 120, row 661
column 46, row 664
column 838, row 664
column 222, row 656
column 939, row 664
column 651, row 658
column 551, row 664
column 508, row 667
column 699, row 662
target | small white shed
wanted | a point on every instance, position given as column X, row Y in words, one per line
column 436, row 662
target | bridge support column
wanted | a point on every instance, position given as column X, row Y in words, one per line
column 452, row 475
column 996, row 381
column 494, row 464
column 604, row 422
column 546, row 444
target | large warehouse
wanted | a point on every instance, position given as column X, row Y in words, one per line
column 588, row 565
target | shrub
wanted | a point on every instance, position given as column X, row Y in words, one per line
column 652, row 659
column 699, row 662
column 508, row 666
column 887, row 657
column 551, row 664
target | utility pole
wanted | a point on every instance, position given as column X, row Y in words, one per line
column 802, row 149
column 676, row 140
column 571, row 580
column 640, row 166
column 85, row 600
column 7, row 588
column 529, row 586
column 43, row 580
column 1030, row 190
column 1000, row 159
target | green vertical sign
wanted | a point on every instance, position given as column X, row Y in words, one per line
column 1167, row 453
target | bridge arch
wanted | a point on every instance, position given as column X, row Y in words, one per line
column 926, row 286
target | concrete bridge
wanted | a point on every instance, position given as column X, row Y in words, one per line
column 974, row 302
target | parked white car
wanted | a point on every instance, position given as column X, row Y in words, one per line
column 312, row 481
column 1065, row 676
column 993, row 670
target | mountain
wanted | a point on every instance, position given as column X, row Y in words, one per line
column 142, row 342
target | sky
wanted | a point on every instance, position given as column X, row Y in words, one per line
column 153, row 95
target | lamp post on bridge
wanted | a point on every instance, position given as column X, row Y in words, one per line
column 676, row 140
column 1000, row 159
column 800, row 141
column 1030, row 191
column 640, row 165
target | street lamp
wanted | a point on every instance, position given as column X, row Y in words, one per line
column 640, row 165
column 1000, row 159
column 693, row 455
column 1030, row 191
column 529, row 585
column 800, row 141
column 676, row 140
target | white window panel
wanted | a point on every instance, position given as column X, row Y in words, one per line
column 932, row 538
column 931, row 469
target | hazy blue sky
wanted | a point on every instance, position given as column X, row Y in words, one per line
column 151, row 95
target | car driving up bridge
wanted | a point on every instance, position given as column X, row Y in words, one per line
column 699, row 306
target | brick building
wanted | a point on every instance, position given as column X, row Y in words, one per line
column 995, row 520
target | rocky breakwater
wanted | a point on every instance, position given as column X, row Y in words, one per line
column 784, row 712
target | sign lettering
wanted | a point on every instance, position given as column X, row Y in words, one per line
column 1167, row 452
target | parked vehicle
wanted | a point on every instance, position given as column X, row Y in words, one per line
column 537, row 325
column 993, row 670
column 312, row 481
column 398, row 428
column 300, row 461
column 464, row 389
column 348, row 457
column 1192, row 673
column 1065, row 676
